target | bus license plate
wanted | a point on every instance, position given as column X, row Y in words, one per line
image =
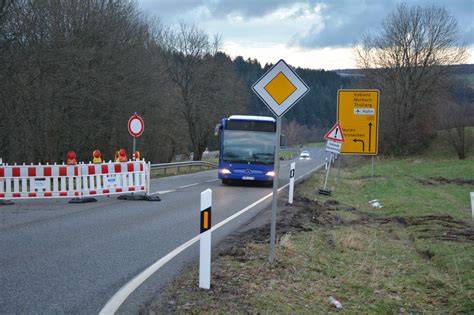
column 248, row 178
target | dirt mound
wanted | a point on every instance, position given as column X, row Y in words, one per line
column 297, row 218
column 433, row 181
column 441, row 227
column 291, row 219
column 371, row 177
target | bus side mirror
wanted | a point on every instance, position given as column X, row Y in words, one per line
column 217, row 128
column 283, row 141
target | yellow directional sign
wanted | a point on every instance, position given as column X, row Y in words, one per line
column 358, row 115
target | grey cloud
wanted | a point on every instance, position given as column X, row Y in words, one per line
column 344, row 24
column 218, row 8
column 250, row 9
column 169, row 9
column 345, row 21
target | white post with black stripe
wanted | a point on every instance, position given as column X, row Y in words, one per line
column 205, row 241
column 292, row 183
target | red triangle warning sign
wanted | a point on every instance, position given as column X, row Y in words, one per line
column 335, row 134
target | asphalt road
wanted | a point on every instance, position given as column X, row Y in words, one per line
column 60, row 258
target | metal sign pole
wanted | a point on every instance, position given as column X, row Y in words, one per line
column 372, row 167
column 327, row 173
column 472, row 205
column 134, row 145
column 324, row 191
column 275, row 191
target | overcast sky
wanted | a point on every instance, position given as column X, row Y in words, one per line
column 312, row 34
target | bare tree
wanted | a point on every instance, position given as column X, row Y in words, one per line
column 205, row 80
column 72, row 73
column 293, row 132
column 408, row 61
column 456, row 115
column 457, row 120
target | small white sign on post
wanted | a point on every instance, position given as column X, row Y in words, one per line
column 333, row 147
column 205, row 241
column 292, row 183
column 135, row 126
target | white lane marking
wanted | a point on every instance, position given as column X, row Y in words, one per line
column 190, row 185
column 114, row 303
column 121, row 295
column 162, row 192
column 212, row 180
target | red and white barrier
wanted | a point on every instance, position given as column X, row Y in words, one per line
column 73, row 181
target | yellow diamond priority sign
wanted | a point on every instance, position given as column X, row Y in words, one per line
column 280, row 88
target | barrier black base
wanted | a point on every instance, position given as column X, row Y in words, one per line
column 139, row 197
column 82, row 200
column 323, row 191
column 6, row 202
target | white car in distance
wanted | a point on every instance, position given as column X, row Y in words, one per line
column 304, row 155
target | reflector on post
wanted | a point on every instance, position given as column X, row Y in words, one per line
column 205, row 241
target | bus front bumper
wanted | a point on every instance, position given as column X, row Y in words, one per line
column 249, row 176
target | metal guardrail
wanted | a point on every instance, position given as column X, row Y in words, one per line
column 178, row 165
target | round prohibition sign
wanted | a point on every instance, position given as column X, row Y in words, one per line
column 136, row 126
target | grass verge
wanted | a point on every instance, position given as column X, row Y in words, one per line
column 413, row 255
column 287, row 155
column 316, row 145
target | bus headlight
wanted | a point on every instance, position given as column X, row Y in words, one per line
column 224, row 171
column 271, row 173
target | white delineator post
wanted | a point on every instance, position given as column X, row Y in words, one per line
column 472, row 205
column 323, row 190
column 205, row 241
column 292, row 183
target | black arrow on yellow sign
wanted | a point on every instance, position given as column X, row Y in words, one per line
column 363, row 144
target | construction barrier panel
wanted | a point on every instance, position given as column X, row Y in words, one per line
column 73, row 181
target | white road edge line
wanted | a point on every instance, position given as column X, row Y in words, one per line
column 121, row 295
column 190, row 185
column 212, row 180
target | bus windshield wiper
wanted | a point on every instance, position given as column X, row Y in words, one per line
column 262, row 162
column 236, row 161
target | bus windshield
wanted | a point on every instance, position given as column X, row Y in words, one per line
column 255, row 147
